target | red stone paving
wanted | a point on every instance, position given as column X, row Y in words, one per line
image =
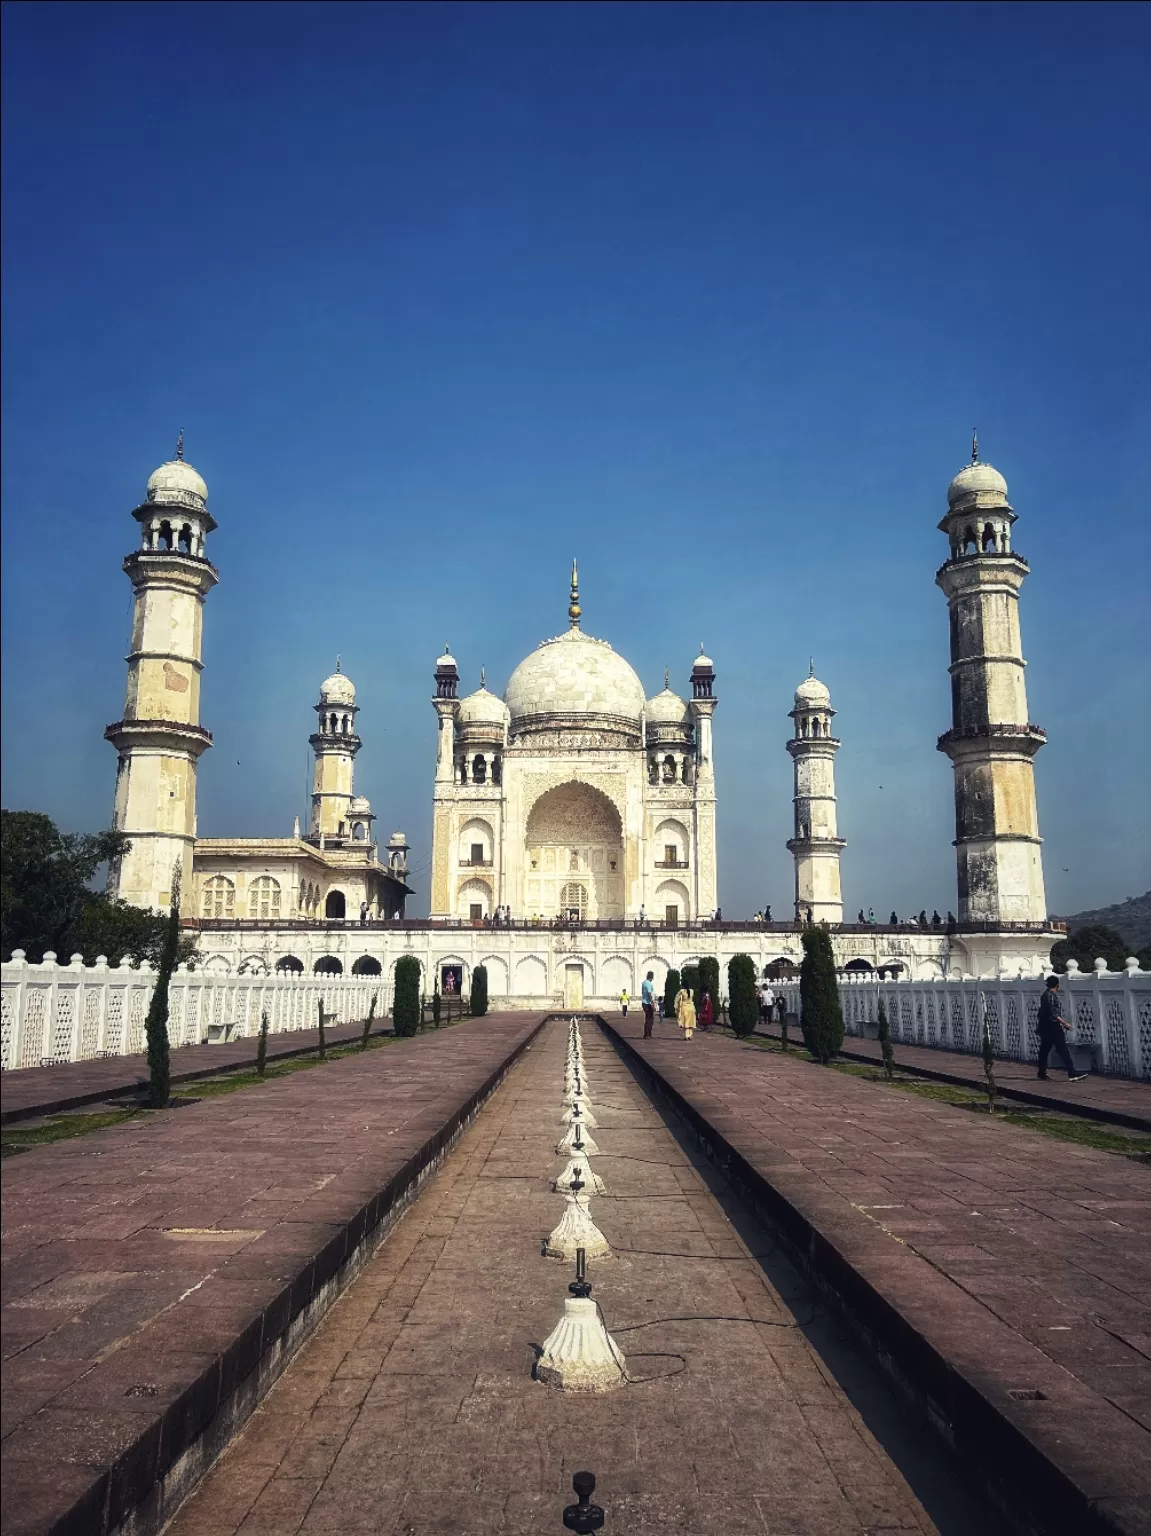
column 1021, row 1262
column 413, row 1410
column 149, row 1268
column 32, row 1091
column 1123, row 1100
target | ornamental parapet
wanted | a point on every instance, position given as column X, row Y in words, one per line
column 193, row 739
column 1025, row 738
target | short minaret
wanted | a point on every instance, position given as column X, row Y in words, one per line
column 160, row 737
column 703, row 706
column 447, row 706
column 816, row 844
column 335, row 744
column 991, row 744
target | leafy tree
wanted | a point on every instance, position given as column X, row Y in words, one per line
column 689, row 980
column 124, row 933
column 479, row 991
column 709, row 980
column 821, row 1017
column 1086, row 945
column 406, row 1008
column 670, row 987
column 368, row 1022
column 262, row 1045
column 156, row 1024
column 885, row 1044
column 743, row 1002
column 44, row 881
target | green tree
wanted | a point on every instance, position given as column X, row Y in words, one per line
column 156, row 1024
column 689, row 980
column 44, row 881
column 262, row 1045
column 671, row 986
column 821, row 1017
column 1086, row 945
column 406, row 1007
column 743, row 1002
column 479, row 991
column 885, row 1045
column 124, row 933
column 368, row 1022
column 709, row 981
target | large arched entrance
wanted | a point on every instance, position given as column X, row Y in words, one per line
column 573, row 855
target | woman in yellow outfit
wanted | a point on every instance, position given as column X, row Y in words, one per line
column 685, row 1012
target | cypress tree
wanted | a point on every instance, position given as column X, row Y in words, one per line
column 368, row 1022
column 743, row 1002
column 436, row 1006
column 406, row 1008
column 885, row 1044
column 821, row 1017
column 156, row 1024
column 479, row 991
column 689, row 980
column 670, row 987
column 988, row 1061
column 323, row 1042
column 262, row 1044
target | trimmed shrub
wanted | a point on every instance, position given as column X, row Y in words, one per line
column 885, row 1044
column 689, row 980
column 670, row 987
column 406, row 1008
column 821, row 1017
column 437, row 1007
column 156, row 1024
column 479, row 991
column 323, row 1051
column 368, row 1022
column 709, row 981
column 743, row 1003
column 262, row 1045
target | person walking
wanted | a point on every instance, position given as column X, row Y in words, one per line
column 623, row 1002
column 706, row 1011
column 647, row 1003
column 1053, row 1032
column 685, row 1012
column 780, row 1009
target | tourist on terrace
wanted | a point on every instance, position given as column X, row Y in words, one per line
column 685, row 1012
column 1053, row 1032
column 706, row 1011
column 647, row 1002
column 623, row 1002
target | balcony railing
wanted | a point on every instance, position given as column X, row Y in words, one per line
column 475, row 863
column 671, row 863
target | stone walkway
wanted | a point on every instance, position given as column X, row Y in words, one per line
column 413, row 1409
column 1008, row 1274
column 157, row 1271
column 1118, row 1100
column 31, row 1092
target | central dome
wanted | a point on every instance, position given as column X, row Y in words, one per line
column 574, row 679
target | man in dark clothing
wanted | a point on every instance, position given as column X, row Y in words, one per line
column 1053, row 1030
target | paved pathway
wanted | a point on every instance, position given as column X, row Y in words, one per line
column 1120, row 1100
column 1020, row 1263
column 34, row 1091
column 413, row 1410
column 152, row 1270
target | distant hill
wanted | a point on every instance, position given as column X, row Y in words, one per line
column 1131, row 918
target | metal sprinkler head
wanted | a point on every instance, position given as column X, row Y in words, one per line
column 583, row 1517
column 580, row 1286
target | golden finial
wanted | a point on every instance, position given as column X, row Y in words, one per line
column 180, row 445
column 574, row 609
column 667, row 677
column 483, row 677
column 974, row 446
column 811, row 666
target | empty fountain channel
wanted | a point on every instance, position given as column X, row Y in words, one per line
column 739, row 1404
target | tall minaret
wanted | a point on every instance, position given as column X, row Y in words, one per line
column 991, row 744
column 816, row 844
column 447, row 707
column 160, row 737
column 703, row 707
column 335, row 744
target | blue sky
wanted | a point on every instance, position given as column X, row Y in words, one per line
column 710, row 296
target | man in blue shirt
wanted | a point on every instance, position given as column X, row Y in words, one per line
column 1053, row 1030
column 647, row 1002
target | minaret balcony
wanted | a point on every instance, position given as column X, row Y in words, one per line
column 175, row 735
column 972, row 739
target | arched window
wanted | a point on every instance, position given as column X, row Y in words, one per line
column 166, row 535
column 184, row 541
column 289, row 965
column 335, row 905
column 669, row 769
column 264, row 899
column 479, row 769
column 497, row 770
column 366, row 965
column 573, row 900
column 358, row 832
column 989, row 543
column 219, row 897
column 328, row 965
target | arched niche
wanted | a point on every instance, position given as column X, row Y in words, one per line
column 574, row 834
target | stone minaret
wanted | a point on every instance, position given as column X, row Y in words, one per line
column 335, row 744
column 991, row 744
column 447, row 707
column 703, row 707
column 160, row 737
column 816, row 844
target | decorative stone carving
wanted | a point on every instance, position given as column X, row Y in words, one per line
column 576, row 1229
column 579, row 1355
column 578, row 1166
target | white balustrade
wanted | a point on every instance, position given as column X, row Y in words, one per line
column 76, row 1012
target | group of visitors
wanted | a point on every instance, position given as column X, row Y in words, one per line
column 687, row 1016
column 500, row 918
column 922, row 921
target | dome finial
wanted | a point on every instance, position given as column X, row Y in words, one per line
column 483, row 677
column 180, row 446
column 667, row 677
column 974, row 445
column 811, row 666
column 338, row 667
column 574, row 609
